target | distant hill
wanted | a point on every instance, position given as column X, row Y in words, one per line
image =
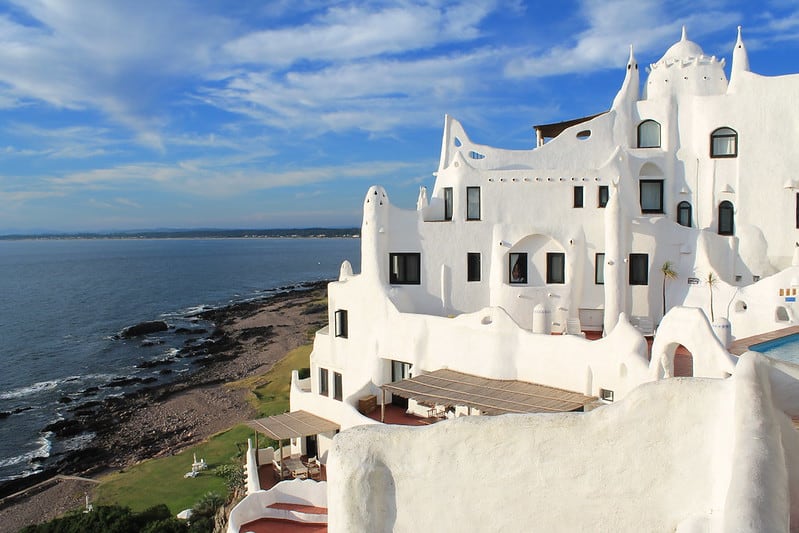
column 198, row 234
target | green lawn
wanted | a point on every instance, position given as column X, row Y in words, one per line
column 161, row 480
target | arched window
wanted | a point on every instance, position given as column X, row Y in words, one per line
column 724, row 143
column 726, row 218
column 684, row 214
column 649, row 134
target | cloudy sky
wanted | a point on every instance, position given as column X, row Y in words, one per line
column 253, row 114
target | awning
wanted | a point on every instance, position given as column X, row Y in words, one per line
column 490, row 396
column 553, row 130
column 292, row 425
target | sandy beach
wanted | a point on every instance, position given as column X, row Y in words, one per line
column 163, row 420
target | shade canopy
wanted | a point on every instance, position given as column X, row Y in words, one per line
column 491, row 396
column 292, row 425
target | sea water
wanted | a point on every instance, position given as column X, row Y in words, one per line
column 63, row 301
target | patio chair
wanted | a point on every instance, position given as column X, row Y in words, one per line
column 314, row 468
column 573, row 327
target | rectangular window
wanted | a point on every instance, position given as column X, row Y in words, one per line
column 578, row 196
column 341, row 323
column 338, row 393
column 556, row 267
column 797, row 210
column 473, row 266
column 517, row 268
column 639, row 269
column 599, row 269
column 405, row 269
column 400, row 371
column 606, row 395
column 448, row 203
column 323, row 382
column 472, row 203
column 604, row 195
column 651, row 196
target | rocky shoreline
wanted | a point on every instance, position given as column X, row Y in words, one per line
column 162, row 419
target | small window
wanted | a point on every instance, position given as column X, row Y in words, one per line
column 556, row 267
column 476, row 155
column 724, row 143
column 473, row 266
column 599, row 269
column 338, row 392
column 797, row 210
column 604, row 195
column 606, row 395
column 649, row 134
column 341, row 323
column 323, row 390
column 448, row 203
column 400, row 370
column 405, row 269
column 726, row 218
column 639, row 269
column 517, row 268
column 651, row 196
column 578, row 196
column 684, row 214
column 584, row 134
column 472, row 203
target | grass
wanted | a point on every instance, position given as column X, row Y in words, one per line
column 161, row 480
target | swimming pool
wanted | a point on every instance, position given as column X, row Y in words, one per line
column 785, row 348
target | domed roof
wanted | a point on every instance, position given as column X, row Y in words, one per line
column 682, row 50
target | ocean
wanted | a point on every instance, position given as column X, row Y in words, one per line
column 63, row 303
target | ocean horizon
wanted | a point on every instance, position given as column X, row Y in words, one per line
column 65, row 301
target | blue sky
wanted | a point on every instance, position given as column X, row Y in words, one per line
column 249, row 114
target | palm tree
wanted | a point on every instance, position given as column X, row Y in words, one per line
column 712, row 280
column 667, row 269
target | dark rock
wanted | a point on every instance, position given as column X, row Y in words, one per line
column 121, row 382
column 191, row 331
column 21, row 409
column 4, row 414
column 261, row 331
column 144, row 328
column 65, row 399
column 151, row 342
column 165, row 371
column 88, row 391
column 149, row 379
column 155, row 363
column 65, row 428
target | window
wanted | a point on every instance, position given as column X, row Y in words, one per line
column 556, row 267
column 517, row 268
column 684, row 214
column 599, row 269
column 797, row 210
column 341, row 323
column 472, row 203
column 405, row 269
column 473, row 266
column 649, row 134
column 606, row 395
column 323, row 381
column 337, row 389
column 651, row 196
column 578, row 196
column 726, row 218
column 639, row 269
column 447, row 203
column 724, row 143
column 400, row 370
column 604, row 195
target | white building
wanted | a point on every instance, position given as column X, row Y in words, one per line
column 688, row 167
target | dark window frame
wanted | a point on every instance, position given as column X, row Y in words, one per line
column 556, row 276
column 448, row 203
column 644, row 124
column 641, row 183
column 520, row 259
column 470, row 215
column 635, row 267
column 797, row 210
column 684, row 207
column 324, row 385
column 726, row 221
column 604, row 196
column 599, row 268
column 402, row 275
column 473, row 266
column 579, row 196
column 341, row 318
column 338, row 386
column 720, row 133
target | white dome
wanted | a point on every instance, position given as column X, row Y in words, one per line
column 682, row 51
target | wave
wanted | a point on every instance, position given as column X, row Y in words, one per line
column 22, row 392
column 41, row 452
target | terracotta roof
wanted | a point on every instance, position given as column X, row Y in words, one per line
column 490, row 396
column 292, row 425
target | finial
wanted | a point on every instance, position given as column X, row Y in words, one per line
column 684, row 35
column 739, row 33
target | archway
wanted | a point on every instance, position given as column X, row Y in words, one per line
column 683, row 362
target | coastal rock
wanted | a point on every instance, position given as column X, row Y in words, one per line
column 190, row 331
column 4, row 414
column 155, row 363
column 151, row 342
column 143, row 328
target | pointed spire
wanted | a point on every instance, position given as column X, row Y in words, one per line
column 684, row 36
column 629, row 88
column 740, row 62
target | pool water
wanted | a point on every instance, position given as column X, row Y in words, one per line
column 785, row 348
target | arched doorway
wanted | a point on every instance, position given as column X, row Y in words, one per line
column 683, row 362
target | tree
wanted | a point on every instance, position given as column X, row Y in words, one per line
column 711, row 280
column 668, row 273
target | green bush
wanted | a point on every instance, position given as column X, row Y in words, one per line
column 113, row 519
column 232, row 473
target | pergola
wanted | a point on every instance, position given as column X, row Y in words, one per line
column 291, row 425
column 491, row 396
